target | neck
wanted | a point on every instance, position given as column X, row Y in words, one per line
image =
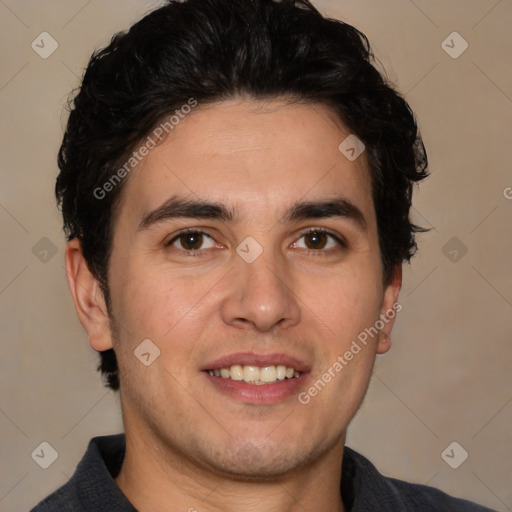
column 155, row 478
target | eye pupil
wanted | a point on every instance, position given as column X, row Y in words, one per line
column 191, row 241
column 316, row 240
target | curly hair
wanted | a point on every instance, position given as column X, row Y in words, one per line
column 214, row 50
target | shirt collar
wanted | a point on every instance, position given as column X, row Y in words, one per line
column 93, row 483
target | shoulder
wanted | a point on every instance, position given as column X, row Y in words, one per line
column 367, row 489
column 92, row 487
column 425, row 498
column 60, row 500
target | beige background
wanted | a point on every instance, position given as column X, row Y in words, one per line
column 448, row 375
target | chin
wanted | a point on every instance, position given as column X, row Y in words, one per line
column 247, row 462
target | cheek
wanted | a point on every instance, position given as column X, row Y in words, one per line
column 348, row 303
column 349, row 306
column 152, row 307
column 160, row 305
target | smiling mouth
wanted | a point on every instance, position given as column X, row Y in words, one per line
column 257, row 375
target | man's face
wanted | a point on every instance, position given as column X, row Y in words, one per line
column 278, row 183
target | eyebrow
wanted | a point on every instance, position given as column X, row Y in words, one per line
column 324, row 209
column 176, row 207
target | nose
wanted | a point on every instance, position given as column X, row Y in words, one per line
column 260, row 296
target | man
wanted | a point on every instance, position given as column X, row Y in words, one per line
column 236, row 179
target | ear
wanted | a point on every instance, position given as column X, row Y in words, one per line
column 389, row 309
column 88, row 297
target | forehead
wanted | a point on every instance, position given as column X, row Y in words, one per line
column 257, row 156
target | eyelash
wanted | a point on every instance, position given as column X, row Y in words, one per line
column 338, row 238
column 317, row 252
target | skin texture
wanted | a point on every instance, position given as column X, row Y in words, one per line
column 189, row 444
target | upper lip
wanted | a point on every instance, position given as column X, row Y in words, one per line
column 261, row 360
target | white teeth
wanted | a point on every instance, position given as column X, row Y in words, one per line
column 268, row 374
column 236, row 372
column 251, row 373
column 225, row 373
column 256, row 375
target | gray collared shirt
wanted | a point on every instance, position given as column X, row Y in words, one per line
column 92, row 487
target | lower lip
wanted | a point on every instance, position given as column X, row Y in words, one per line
column 258, row 393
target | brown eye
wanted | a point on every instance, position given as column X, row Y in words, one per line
column 319, row 240
column 192, row 241
column 316, row 240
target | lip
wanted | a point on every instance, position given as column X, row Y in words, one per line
column 258, row 394
column 253, row 393
column 261, row 360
